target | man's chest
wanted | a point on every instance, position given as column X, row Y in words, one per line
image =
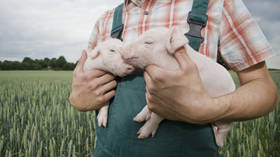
column 170, row 13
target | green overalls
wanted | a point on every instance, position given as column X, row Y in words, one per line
column 173, row 139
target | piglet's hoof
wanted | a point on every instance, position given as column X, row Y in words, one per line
column 103, row 116
column 149, row 128
column 142, row 116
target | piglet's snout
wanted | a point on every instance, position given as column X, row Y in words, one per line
column 129, row 69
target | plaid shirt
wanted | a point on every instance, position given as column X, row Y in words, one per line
column 230, row 29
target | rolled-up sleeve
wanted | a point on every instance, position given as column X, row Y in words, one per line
column 242, row 43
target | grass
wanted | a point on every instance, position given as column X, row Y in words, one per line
column 256, row 138
column 36, row 119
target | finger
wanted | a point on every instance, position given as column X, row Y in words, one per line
column 149, row 102
column 109, row 95
column 100, row 81
column 95, row 73
column 150, row 84
column 147, row 79
column 159, row 74
column 182, row 58
column 148, row 96
column 107, row 87
column 105, row 79
column 78, row 64
column 82, row 60
column 156, row 73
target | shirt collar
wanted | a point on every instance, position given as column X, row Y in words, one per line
column 138, row 3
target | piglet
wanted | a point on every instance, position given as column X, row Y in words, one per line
column 157, row 47
column 107, row 57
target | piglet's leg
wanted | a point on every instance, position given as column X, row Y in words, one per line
column 144, row 115
column 220, row 131
column 150, row 127
column 103, row 115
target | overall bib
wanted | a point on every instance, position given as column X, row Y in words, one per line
column 173, row 139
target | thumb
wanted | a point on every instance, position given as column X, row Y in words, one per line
column 155, row 72
column 82, row 60
column 183, row 59
column 158, row 74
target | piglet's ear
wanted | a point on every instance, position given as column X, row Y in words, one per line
column 176, row 40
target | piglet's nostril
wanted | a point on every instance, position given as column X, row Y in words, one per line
column 129, row 69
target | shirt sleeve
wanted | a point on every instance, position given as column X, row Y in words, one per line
column 93, row 37
column 242, row 43
column 95, row 33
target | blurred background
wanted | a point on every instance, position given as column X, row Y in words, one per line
column 49, row 28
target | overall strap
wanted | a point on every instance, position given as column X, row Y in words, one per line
column 197, row 19
column 117, row 26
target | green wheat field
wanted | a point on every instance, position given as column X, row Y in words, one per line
column 37, row 120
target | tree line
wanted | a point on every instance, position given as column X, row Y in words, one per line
column 53, row 64
column 28, row 63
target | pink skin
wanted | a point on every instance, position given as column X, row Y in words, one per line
column 106, row 56
column 157, row 47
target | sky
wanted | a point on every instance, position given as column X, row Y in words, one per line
column 51, row 28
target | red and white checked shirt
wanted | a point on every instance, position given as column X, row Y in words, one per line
column 231, row 30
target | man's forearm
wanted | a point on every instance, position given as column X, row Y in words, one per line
column 255, row 98
column 251, row 100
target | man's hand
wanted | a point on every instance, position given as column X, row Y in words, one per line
column 92, row 89
column 179, row 95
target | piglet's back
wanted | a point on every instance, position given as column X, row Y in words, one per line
column 216, row 79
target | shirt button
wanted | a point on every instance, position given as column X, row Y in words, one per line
column 146, row 13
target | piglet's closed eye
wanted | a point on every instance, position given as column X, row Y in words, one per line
column 175, row 40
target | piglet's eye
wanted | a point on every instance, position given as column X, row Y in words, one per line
column 111, row 50
column 148, row 42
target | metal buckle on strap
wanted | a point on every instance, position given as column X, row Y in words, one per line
column 117, row 32
column 196, row 26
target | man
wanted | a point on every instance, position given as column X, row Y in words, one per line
column 177, row 95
